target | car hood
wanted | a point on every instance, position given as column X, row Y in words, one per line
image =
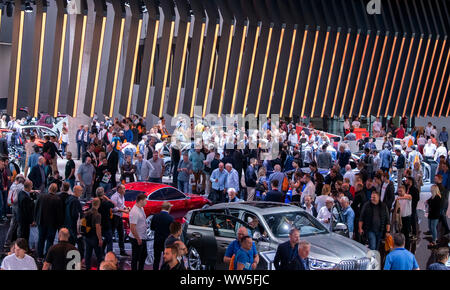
column 335, row 248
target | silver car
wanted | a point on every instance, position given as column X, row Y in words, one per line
column 209, row 231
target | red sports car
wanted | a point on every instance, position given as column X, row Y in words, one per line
column 157, row 194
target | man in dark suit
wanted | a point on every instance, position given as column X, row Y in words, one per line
column 415, row 194
column 274, row 195
column 301, row 261
column 160, row 225
column 90, row 153
column 49, row 217
column 251, row 178
column 86, row 139
column 79, row 139
column 25, row 210
column 3, row 146
column 113, row 163
column 38, row 176
column 287, row 251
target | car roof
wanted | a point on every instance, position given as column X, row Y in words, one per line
column 262, row 207
column 147, row 187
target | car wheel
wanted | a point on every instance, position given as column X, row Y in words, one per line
column 167, row 166
column 194, row 260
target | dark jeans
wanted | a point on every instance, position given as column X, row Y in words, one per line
column 11, row 236
column 374, row 240
column 183, row 186
column 2, row 212
column 157, row 180
column 117, row 224
column 23, row 231
column 216, row 196
column 71, row 182
column 63, row 148
column 79, row 145
column 107, row 240
column 406, row 229
column 414, row 222
column 4, row 199
column 158, row 248
column 92, row 246
column 443, row 219
column 175, row 173
column 78, row 241
column 46, row 238
column 138, row 254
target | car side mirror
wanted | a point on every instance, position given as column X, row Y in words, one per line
column 340, row 227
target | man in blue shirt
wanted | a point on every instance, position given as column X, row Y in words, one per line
column 244, row 259
column 348, row 214
column 232, row 180
column 218, row 178
column 400, row 258
column 386, row 158
column 235, row 246
column 441, row 260
column 277, row 175
column 443, row 136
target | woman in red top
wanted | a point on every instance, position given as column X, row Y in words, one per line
column 400, row 132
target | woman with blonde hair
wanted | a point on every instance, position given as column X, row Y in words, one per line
column 321, row 199
column 261, row 182
column 434, row 206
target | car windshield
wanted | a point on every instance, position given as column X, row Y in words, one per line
column 281, row 223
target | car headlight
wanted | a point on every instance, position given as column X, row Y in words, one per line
column 315, row 264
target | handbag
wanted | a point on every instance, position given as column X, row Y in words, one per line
column 388, row 243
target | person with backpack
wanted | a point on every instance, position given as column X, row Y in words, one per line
column 92, row 230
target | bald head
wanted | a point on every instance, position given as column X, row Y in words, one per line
column 77, row 190
column 242, row 232
column 348, row 167
column 63, row 234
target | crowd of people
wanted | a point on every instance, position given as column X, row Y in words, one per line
column 282, row 162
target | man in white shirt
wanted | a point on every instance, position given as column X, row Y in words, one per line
column 293, row 138
column 440, row 151
column 324, row 214
column 138, row 230
column 19, row 260
column 356, row 123
column 409, row 140
column 349, row 174
column 118, row 199
column 310, row 188
column 428, row 130
column 376, row 127
column 429, row 149
column 405, row 203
